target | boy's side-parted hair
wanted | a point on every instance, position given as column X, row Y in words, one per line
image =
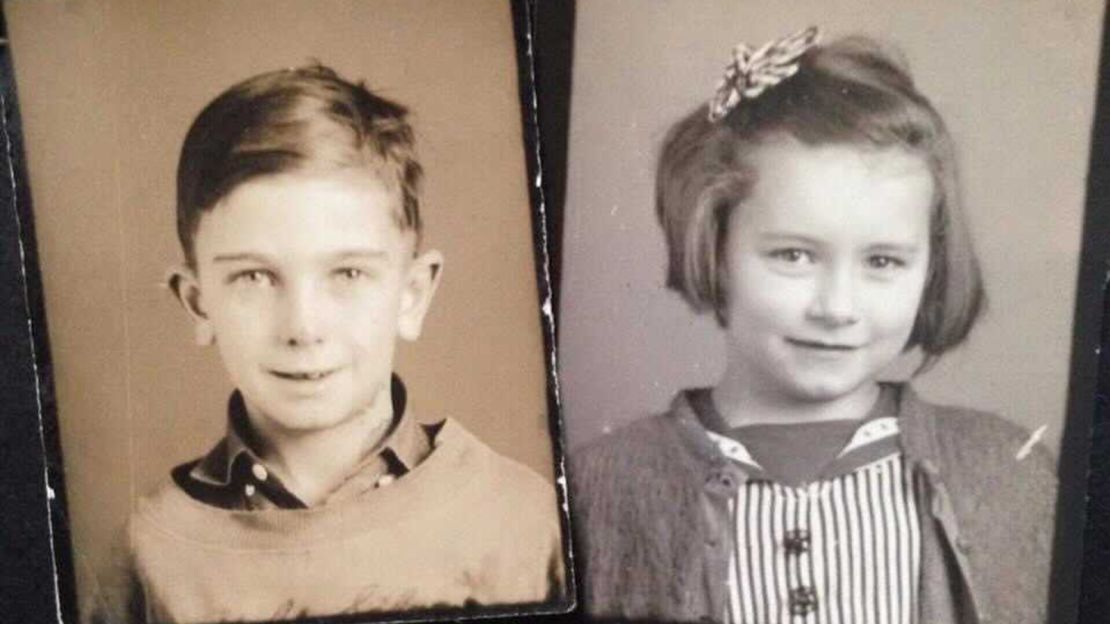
column 294, row 120
column 850, row 92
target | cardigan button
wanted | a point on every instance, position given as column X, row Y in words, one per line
column 720, row 479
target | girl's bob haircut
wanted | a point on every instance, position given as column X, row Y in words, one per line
column 850, row 92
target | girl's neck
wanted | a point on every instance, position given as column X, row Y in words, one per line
column 741, row 404
column 313, row 464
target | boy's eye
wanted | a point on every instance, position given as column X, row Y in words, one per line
column 253, row 277
column 351, row 273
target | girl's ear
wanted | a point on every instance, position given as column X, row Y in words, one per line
column 419, row 288
column 184, row 284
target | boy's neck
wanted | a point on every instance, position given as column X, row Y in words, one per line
column 313, row 464
column 741, row 404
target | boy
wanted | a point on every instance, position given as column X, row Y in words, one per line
column 297, row 211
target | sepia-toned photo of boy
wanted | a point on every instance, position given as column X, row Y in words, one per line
column 295, row 311
column 298, row 216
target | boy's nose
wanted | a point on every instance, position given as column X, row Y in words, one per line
column 302, row 318
column 834, row 303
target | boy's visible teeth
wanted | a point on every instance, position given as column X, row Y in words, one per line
column 308, row 376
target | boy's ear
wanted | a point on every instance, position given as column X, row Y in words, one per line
column 184, row 284
column 420, row 286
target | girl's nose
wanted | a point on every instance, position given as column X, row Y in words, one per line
column 303, row 317
column 834, row 303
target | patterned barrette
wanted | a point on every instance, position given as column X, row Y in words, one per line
column 753, row 71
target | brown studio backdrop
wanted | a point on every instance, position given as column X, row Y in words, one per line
column 106, row 100
column 1015, row 83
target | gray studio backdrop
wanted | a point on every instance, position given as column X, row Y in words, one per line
column 1015, row 81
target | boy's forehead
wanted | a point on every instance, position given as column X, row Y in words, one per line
column 304, row 211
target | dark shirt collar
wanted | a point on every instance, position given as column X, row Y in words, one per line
column 701, row 401
column 403, row 446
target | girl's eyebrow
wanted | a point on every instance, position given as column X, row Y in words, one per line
column 907, row 248
column 789, row 236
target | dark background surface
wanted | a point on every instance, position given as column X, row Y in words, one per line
column 29, row 590
column 1094, row 279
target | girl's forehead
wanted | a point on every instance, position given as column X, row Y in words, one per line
column 837, row 185
column 784, row 154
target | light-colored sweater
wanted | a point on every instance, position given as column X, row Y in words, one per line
column 465, row 527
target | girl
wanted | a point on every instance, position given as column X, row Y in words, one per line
column 812, row 205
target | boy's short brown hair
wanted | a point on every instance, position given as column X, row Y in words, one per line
column 294, row 120
column 848, row 92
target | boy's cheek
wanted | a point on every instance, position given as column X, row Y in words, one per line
column 204, row 335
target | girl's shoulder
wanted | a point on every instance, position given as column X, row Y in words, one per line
column 638, row 443
column 969, row 437
column 958, row 426
column 647, row 452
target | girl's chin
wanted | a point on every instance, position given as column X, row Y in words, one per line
column 827, row 389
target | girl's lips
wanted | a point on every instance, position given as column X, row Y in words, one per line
column 823, row 346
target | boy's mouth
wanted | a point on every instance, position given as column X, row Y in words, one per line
column 302, row 375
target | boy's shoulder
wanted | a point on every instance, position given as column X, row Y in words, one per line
column 484, row 468
column 166, row 501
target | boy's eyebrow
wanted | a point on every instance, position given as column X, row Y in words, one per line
column 345, row 254
column 240, row 257
column 361, row 254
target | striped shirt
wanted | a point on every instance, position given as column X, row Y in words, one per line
column 842, row 549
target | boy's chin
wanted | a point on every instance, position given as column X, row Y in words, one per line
column 304, row 421
column 299, row 418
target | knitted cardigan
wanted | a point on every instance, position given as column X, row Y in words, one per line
column 651, row 520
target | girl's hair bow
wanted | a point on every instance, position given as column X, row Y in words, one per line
column 752, row 72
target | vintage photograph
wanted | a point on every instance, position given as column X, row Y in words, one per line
column 295, row 319
column 819, row 269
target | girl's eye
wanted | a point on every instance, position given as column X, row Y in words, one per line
column 885, row 262
column 792, row 255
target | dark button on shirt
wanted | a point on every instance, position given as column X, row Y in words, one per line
column 232, row 476
column 803, row 601
column 796, row 541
